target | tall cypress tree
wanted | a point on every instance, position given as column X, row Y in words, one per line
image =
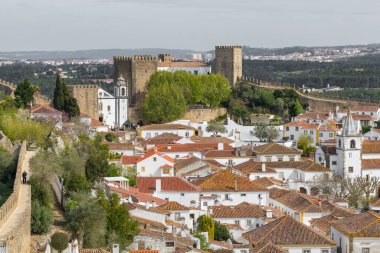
column 59, row 94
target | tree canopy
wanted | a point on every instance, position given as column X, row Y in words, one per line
column 24, row 93
column 63, row 100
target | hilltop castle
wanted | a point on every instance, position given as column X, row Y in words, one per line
column 229, row 62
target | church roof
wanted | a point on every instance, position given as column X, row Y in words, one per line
column 349, row 128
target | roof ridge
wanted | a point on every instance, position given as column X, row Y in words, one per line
column 369, row 224
column 283, row 218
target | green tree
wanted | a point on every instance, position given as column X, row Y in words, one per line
column 366, row 129
column 221, row 232
column 71, row 106
column 305, row 142
column 238, row 109
column 24, row 93
column 163, row 103
column 204, row 245
column 41, row 218
column 87, row 222
column 206, row 224
column 264, row 132
column 215, row 128
column 296, row 109
column 59, row 94
column 110, row 137
column 119, row 222
column 59, row 241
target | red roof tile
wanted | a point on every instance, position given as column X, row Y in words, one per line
column 175, row 184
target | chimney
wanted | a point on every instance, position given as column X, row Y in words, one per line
column 263, row 167
column 158, row 185
column 115, row 248
column 220, row 146
column 235, row 183
column 269, row 213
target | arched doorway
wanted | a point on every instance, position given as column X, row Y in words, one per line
column 303, row 190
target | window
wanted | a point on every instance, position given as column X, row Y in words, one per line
column 333, row 162
column 187, row 134
column 226, row 196
column 320, row 134
column 166, row 171
column 237, row 222
column 331, row 135
column 196, row 72
column 192, row 216
column 243, row 195
column 123, row 92
column 154, row 159
column 249, row 223
column 311, row 132
column 182, row 194
column 350, row 169
column 169, row 244
column 287, row 128
column 205, row 203
column 280, row 158
column 297, row 129
column 269, row 159
column 243, row 251
column 142, row 168
column 340, row 143
column 155, row 134
column 147, row 135
column 352, row 144
column 306, row 251
column 305, row 132
column 292, row 137
column 167, row 199
column 320, row 158
column 325, row 251
column 365, row 250
column 291, row 159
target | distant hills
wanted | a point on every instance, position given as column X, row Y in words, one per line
column 108, row 53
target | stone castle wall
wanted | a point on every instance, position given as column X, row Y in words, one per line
column 136, row 71
column 198, row 115
column 87, row 98
column 229, row 62
column 18, row 239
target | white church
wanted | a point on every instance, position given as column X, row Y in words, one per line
column 352, row 155
column 113, row 109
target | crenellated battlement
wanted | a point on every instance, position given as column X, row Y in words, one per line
column 225, row 47
column 135, row 58
column 86, row 86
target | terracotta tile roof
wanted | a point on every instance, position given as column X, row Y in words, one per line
column 360, row 117
column 154, row 152
column 220, row 153
column 326, row 128
column 96, row 123
column 274, row 148
column 119, row 146
column 270, row 248
column 134, row 193
column 172, row 206
column 166, row 236
column 370, row 164
column 249, row 167
column 129, row 159
column 191, row 147
column 324, row 223
column 144, row 251
column 304, row 165
column 215, row 164
column 182, row 64
column 183, row 163
column 222, row 244
column 176, row 184
column 365, row 108
column 165, row 127
column 286, row 231
column 45, row 109
column 165, row 138
column 308, row 204
column 370, row 146
column 93, row 251
column 376, row 203
column 133, row 206
column 225, row 180
column 197, row 139
column 233, row 226
column 243, row 210
column 149, row 222
column 267, row 181
column 361, row 225
column 301, row 124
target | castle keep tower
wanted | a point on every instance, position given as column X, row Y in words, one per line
column 229, row 62
column 136, row 71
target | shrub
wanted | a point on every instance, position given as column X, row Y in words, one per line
column 59, row 241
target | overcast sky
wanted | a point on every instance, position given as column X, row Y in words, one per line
column 185, row 24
